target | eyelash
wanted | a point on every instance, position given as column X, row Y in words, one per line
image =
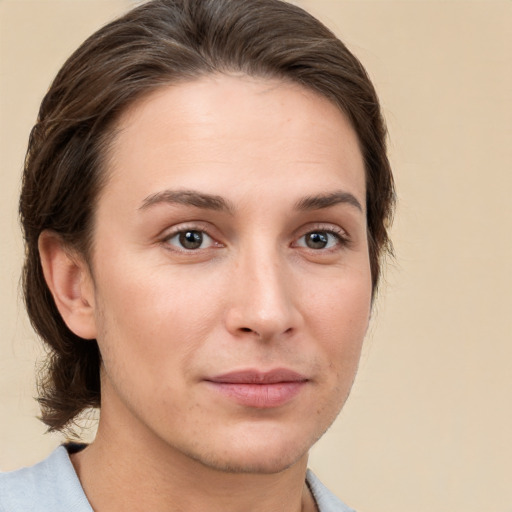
column 340, row 235
column 187, row 229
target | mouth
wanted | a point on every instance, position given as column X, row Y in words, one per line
column 259, row 389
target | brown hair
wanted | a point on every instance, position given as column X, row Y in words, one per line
column 161, row 42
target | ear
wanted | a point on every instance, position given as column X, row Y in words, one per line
column 69, row 279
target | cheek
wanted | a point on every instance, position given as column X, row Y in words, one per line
column 338, row 315
column 337, row 321
column 149, row 310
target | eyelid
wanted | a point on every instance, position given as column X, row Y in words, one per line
column 200, row 226
column 206, row 238
column 341, row 234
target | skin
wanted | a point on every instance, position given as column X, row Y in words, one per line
column 257, row 293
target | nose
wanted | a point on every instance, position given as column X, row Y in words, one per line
column 262, row 301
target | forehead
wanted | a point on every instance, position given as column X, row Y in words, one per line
column 219, row 124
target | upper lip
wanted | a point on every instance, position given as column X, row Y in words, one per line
column 258, row 377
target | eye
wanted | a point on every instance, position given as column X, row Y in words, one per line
column 190, row 240
column 320, row 239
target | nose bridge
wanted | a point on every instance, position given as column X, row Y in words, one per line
column 263, row 302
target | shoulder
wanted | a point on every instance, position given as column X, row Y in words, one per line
column 325, row 499
column 51, row 485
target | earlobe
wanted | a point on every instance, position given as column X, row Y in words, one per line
column 70, row 283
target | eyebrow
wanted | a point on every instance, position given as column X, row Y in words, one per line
column 317, row 202
column 188, row 198
column 218, row 203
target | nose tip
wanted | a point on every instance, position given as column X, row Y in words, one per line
column 263, row 305
column 264, row 329
column 261, row 327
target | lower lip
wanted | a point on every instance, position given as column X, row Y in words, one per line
column 260, row 396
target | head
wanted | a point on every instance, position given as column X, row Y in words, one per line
column 123, row 68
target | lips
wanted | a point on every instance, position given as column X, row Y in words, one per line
column 252, row 388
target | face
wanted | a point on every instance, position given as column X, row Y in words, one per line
column 231, row 278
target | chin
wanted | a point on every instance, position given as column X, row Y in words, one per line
column 256, row 454
column 263, row 463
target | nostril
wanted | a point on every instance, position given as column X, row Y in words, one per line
column 246, row 329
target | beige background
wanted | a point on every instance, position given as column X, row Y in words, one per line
column 429, row 423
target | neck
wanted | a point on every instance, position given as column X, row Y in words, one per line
column 128, row 470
